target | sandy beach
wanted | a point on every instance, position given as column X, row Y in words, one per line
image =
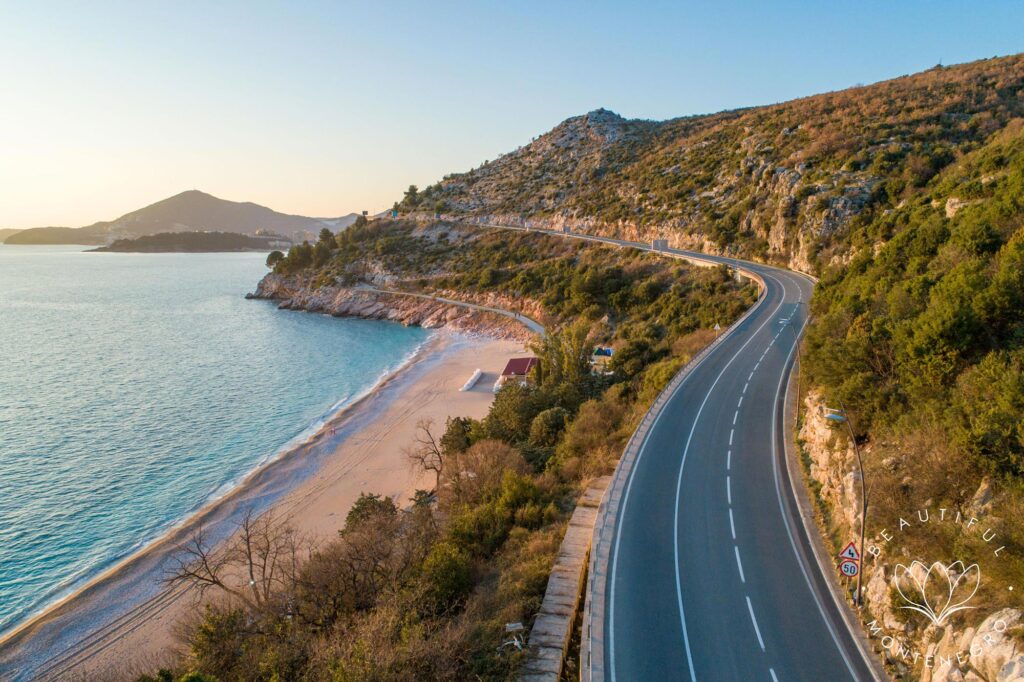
column 124, row 621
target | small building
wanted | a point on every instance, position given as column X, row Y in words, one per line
column 517, row 369
column 601, row 359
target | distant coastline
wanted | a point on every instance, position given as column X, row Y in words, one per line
column 196, row 242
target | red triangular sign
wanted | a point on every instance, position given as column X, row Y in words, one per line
column 850, row 552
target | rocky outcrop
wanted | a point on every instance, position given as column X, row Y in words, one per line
column 991, row 651
column 293, row 293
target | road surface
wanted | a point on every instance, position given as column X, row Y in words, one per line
column 531, row 324
column 709, row 572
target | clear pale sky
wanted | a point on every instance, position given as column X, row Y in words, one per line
column 322, row 108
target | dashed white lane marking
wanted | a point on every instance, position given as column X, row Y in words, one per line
column 739, row 403
column 732, row 527
column 728, row 459
column 746, row 385
column 728, row 489
column 739, row 564
column 757, row 630
column 772, row 671
column 735, row 415
column 750, row 377
column 731, row 431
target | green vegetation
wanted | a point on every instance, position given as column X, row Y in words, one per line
column 921, row 336
column 907, row 197
column 424, row 592
column 273, row 258
column 766, row 182
column 191, row 242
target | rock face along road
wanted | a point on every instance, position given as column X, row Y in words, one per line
column 709, row 572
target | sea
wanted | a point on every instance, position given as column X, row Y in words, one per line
column 137, row 388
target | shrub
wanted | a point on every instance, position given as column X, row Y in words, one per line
column 447, row 575
column 547, row 426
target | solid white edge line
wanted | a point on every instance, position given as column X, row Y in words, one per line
column 679, row 481
column 785, row 522
column 625, row 500
column 739, row 565
column 757, row 630
column 629, row 482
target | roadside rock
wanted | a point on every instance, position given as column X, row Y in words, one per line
column 991, row 651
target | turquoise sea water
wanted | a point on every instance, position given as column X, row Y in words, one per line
column 134, row 388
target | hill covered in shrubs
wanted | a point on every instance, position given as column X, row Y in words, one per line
column 782, row 183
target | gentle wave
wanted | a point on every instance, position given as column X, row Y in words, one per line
column 137, row 390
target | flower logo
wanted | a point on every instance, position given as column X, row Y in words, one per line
column 937, row 591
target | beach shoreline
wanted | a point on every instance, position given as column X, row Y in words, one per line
column 126, row 610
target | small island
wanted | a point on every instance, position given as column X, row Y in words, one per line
column 196, row 242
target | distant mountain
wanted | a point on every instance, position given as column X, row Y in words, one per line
column 195, row 242
column 4, row 234
column 191, row 211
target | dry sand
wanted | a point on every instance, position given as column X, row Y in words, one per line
column 125, row 621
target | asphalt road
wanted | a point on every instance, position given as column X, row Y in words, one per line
column 711, row 575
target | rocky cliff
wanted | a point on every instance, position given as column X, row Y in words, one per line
column 296, row 293
column 984, row 647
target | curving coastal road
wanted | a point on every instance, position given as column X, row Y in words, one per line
column 703, row 569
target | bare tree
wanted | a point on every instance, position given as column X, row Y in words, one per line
column 426, row 454
column 259, row 562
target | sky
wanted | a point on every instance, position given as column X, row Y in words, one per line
column 324, row 108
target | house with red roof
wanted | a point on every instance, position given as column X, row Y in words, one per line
column 517, row 369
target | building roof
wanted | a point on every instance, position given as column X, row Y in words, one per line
column 519, row 367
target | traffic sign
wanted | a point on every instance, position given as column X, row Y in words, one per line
column 850, row 552
column 849, row 568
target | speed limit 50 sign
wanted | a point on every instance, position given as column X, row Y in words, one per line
column 849, row 568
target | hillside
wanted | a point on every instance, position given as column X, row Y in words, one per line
column 428, row 587
column 782, row 183
column 193, row 242
column 907, row 199
column 191, row 211
column 4, row 234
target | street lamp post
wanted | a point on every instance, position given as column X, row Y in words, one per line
column 863, row 495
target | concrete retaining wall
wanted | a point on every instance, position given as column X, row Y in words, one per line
column 552, row 629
